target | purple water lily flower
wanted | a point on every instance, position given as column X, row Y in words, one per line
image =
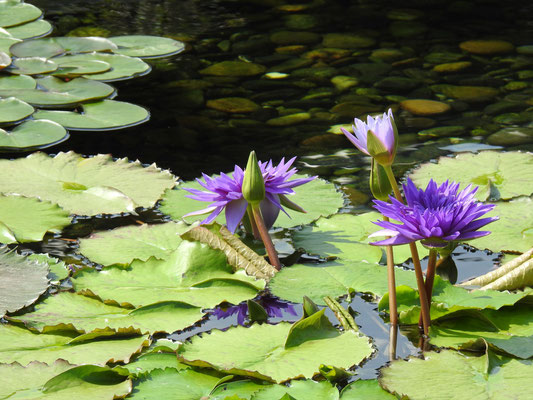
column 385, row 137
column 435, row 216
column 225, row 193
column 273, row 307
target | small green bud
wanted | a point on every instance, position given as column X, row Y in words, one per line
column 379, row 182
column 376, row 148
column 253, row 184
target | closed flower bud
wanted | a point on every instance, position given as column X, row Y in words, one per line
column 253, row 184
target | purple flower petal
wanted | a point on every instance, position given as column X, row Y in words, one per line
column 234, row 212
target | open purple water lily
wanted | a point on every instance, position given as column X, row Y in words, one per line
column 377, row 137
column 435, row 216
column 225, row 193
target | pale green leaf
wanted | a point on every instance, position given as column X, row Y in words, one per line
column 32, row 134
column 144, row 46
column 365, row 390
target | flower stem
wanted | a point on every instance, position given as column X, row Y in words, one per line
column 424, row 305
column 430, row 277
column 393, row 308
column 265, row 237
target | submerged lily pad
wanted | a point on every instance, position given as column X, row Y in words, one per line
column 29, row 30
column 146, row 46
column 277, row 352
column 103, row 115
column 21, row 345
column 498, row 175
column 194, row 274
column 54, row 92
column 85, row 186
column 21, row 281
column 32, row 66
column 85, row 315
column 123, row 245
column 13, row 110
column 50, row 47
column 15, row 13
column 458, row 376
column 32, row 134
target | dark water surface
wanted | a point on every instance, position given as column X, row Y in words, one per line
column 327, row 80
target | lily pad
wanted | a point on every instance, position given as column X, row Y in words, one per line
column 31, row 30
column 21, row 281
column 53, row 92
column 17, row 82
column 122, row 67
column 123, row 245
column 299, row 390
column 50, row 47
column 277, row 352
column 29, row 218
column 85, row 186
column 146, row 46
column 513, row 232
column 366, row 390
column 32, row 66
column 21, row 345
column 102, row 115
column 69, row 310
column 334, row 279
column 13, row 110
column 32, row 134
column 75, row 69
column 5, row 60
column 498, row 175
column 58, row 269
column 7, row 42
column 151, row 361
column 194, row 274
column 473, row 377
column 15, row 13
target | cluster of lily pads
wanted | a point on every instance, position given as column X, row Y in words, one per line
column 99, row 332
column 50, row 85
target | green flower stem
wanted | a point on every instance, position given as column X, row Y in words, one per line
column 424, row 306
column 251, row 218
column 393, row 308
column 265, row 237
column 430, row 276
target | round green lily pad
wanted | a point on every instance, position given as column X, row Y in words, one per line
column 7, row 42
column 122, row 67
column 32, row 66
column 31, row 30
column 13, row 110
column 146, row 46
column 5, row 60
column 50, row 47
column 102, row 115
column 15, row 13
column 74, row 69
column 32, row 135
column 17, row 82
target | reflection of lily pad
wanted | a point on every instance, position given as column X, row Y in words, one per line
column 32, row 66
column 50, row 47
column 102, row 115
column 21, row 281
column 53, row 92
column 146, row 46
column 15, row 13
column 498, row 175
column 31, row 135
column 31, row 30
column 13, row 110
column 86, row 186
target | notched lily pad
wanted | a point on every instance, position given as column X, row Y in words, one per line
column 50, row 47
column 78, row 68
column 15, row 13
column 143, row 46
column 32, row 135
column 30, row 30
column 32, row 66
column 21, row 281
column 101, row 116
column 13, row 110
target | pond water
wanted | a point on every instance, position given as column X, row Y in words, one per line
column 325, row 63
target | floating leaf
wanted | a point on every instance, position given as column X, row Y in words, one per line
column 21, row 345
column 29, row 219
column 498, row 175
column 457, row 376
column 123, row 245
column 32, row 134
column 334, row 279
column 58, row 269
column 113, row 186
column 32, row 66
column 299, row 390
column 102, row 115
column 239, row 255
column 78, row 68
column 21, row 281
column 15, row 13
column 5, row 60
column 7, row 42
column 72, row 311
column 50, row 47
column 365, row 390
column 53, row 92
column 193, row 274
column 513, row 231
column 260, row 350
column 17, row 82
column 122, row 67
column 146, row 46
column 31, row 30
column 13, row 110
column 148, row 362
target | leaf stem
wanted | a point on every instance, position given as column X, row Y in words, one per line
column 265, row 237
column 424, row 306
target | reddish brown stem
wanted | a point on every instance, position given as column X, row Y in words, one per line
column 265, row 237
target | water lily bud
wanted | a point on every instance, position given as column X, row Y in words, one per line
column 377, row 149
column 253, row 184
column 379, row 182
